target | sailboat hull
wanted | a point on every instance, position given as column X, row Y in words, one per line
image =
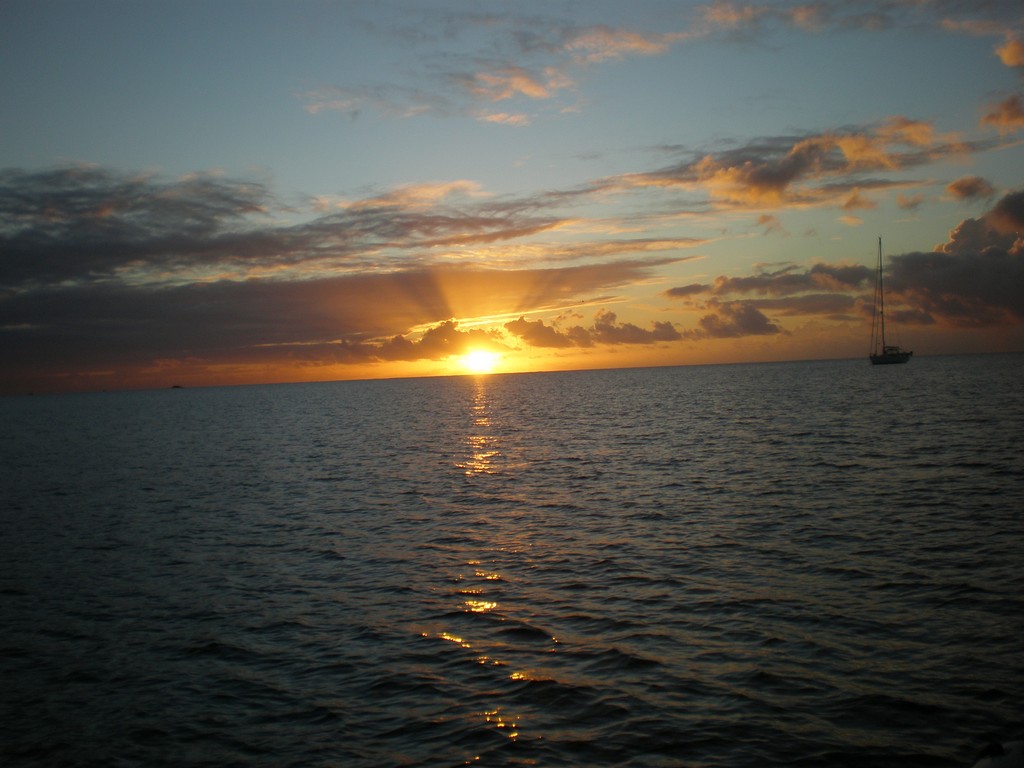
column 890, row 358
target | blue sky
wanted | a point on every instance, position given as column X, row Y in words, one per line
column 564, row 184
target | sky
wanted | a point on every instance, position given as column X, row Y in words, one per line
column 229, row 192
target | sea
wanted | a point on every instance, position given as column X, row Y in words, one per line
column 785, row 564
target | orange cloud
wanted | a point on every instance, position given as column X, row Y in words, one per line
column 971, row 281
column 511, row 81
column 857, row 201
column 1011, row 53
column 420, row 196
column 729, row 15
column 595, row 44
column 970, row 187
column 810, row 17
column 812, row 170
column 906, row 131
column 503, row 118
column 909, row 202
column 1006, row 116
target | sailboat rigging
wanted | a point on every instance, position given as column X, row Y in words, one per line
column 882, row 353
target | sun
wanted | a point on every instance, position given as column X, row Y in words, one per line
column 480, row 361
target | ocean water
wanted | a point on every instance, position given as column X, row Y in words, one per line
column 800, row 564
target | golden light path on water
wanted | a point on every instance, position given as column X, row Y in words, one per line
column 482, row 455
column 482, row 446
column 473, row 602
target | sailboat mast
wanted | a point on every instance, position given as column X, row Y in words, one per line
column 881, row 294
column 884, row 354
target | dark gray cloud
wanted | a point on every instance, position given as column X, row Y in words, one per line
column 606, row 329
column 834, row 306
column 785, row 281
column 443, row 340
column 1007, row 116
column 78, row 223
column 972, row 290
column 89, row 224
column 733, row 319
column 972, row 280
column 1008, row 214
column 104, row 325
column 693, row 289
column 537, row 334
column 104, row 270
column 975, row 278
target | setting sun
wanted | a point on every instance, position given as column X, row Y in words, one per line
column 480, row 361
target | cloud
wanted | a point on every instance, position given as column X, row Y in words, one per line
column 787, row 281
column 439, row 342
column 733, row 319
column 903, row 130
column 504, row 118
column 537, row 334
column 1011, row 53
column 105, row 270
column 390, row 100
column 835, row 306
column 693, row 289
column 971, row 281
column 83, row 222
column 486, row 59
column 346, row 319
column 1006, row 116
column 600, row 43
column 729, row 319
column 830, row 291
column 755, row 19
column 976, row 27
column 816, row 169
column 857, row 201
column 963, row 287
column 909, row 202
column 419, row 196
column 606, row 329
column 509, row 81
column 770, row 223
column 492, row 58
column 728, row 15
column 90, row 224
column 1008, row 215
column 970, row 187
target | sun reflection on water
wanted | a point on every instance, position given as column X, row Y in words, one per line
column 454, row 639
column 481, row 445
column 480, row 606
column 500, row 721
column 473, row 586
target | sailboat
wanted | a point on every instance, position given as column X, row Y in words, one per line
column 882, row 353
